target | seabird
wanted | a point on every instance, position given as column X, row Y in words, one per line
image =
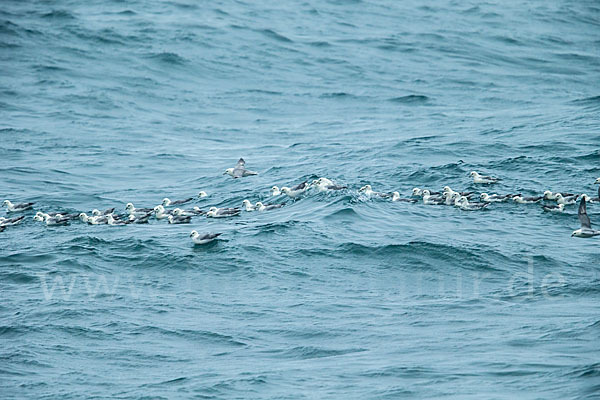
column 449, row 197
column 483, row 179
column 526, row 200
column 396, row 197
column 368, row 191
column 161, row 213
column 494, row 198
column 167, row 202
column 11, row 221
column 560, row 199
column 239, row 170
column 295, row 191
column 275, row 191
column 96, row 212
column 215, row 212
column 140, row 219
column 589, row 199
column 428, row 199
column 597, row 182
column 463, row 203
column 185, row 213
column 97, row 220
column 548, row 195
column 248, row 206
column 179, row 219
column 203, row 239
column 198, row 211
column 417, row 192
column 110, row 220
column 324, row 184
column 466, row 194
column 202, row 194
column 557, row 208
column 10, row 207
column 132, row 210
column 261, row 207
column 586, row 230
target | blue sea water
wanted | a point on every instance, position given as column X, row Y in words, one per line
column 334, row 295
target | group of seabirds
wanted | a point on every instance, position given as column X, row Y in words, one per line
column 171, row 211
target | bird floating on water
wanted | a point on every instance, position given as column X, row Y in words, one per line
column 526, row 200
column 495, row 198
column 295, row 191
column 132, row 210
column 275, row 191
column 205, row 238
column 262, row 207
column 560, row 199
column 10, row 207
column 215, row 212
column 248, row 206
column 557, row 208
column 167, row 202
column 477, row 178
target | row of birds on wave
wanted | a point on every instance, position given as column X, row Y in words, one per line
column 164, row 211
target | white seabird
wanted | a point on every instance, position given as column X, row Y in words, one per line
column 560, row 199
column 275, row 191
column 239, row 170
column 589, row 199
column 179, row 219
column 178, row 212
column 368, row 191
column 167, row 202
column 477, row 178
column 586, row 230
column 428, row 199
column 396, row 197
column 10, row 207
column 324, row 184
column 140, row 219
column 597, row 181
column 248, row 206
column 202, row 194
column 110, row 220
column 557, row 208
column 463, row 203
column 295, row 191
column 261, row 207
column 205, row 238
column 526, row 200
column 161, row 213
column 215, row 212
column 132, row 210
column 11, row 221
column 494, row 198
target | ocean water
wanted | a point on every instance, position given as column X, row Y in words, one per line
column 335, row 295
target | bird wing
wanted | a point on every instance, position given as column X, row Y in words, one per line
column 303, row 185
column 241, row 162
column 238, row 171
column 210, row 236
column 23, row 205
column 582, row 214
column 248, row 173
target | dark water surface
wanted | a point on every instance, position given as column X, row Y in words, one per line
column 335, row 295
